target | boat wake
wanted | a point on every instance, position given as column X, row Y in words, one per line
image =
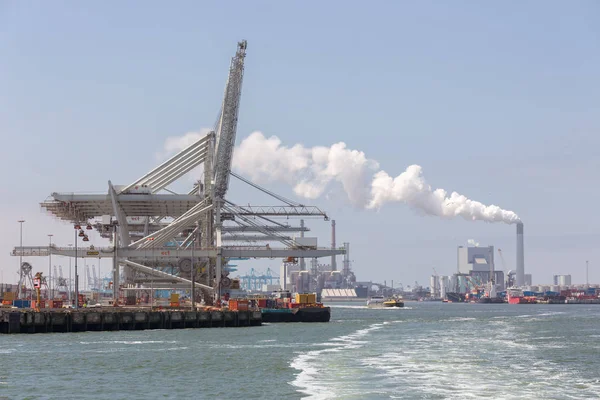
column 311, row 380
column 369, row 308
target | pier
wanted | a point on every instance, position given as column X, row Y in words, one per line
column 31, row 321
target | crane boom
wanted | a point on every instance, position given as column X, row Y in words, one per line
column 227, row 125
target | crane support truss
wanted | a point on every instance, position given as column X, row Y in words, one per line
column 171, row 253
column 160, row 274
column 254, row 238
column 175, row 167
column 243, row 228
column 162, row 236
column 279, row 211
column 83, row 207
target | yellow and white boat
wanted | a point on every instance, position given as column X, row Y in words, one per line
column 382, row 302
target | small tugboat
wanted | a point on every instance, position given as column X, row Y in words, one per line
column 382, row 302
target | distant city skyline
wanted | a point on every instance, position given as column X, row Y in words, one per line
column 497, row 103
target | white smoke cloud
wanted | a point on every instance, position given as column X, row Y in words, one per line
column 312, row 170
column 309, row 170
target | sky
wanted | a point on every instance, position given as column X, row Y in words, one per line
column 497, row 101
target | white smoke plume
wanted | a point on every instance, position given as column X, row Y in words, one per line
column 313, row 170
column 411, row 188
column 472, row 242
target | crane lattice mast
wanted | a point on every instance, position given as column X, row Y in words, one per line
column 227, row 125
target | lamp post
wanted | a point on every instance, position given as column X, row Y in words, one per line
column 70, row 279
column 50, row 294
column 78, row 233
column 192, row 277
column 21, row 258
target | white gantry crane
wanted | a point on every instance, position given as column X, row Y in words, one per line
column 174, row 238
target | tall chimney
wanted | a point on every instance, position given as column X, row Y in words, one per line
column 333, row 263
column 520, row 256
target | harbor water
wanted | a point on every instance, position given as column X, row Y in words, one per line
column 426, row 350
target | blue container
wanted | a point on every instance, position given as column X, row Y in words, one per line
column 528, row 293
column 22, row 303
column 591, row 291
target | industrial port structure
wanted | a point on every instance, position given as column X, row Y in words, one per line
column 184, row 240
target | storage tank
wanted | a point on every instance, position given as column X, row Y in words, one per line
column 443, row 286
column 433, row 285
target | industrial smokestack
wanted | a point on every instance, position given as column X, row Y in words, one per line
column 347, row 259
column 333, row 263
column 520, row 256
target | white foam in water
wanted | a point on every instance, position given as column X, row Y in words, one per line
column 308, row 379
column 129, row 342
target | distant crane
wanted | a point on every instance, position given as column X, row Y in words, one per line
column 506, row 277
column 254, row 281
column 89, row 276
column 95, row 283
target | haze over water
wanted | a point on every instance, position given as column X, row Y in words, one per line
column 425, row 351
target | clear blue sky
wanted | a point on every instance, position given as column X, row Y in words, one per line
column 498, row 101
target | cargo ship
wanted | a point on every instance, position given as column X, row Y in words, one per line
column 283, row 307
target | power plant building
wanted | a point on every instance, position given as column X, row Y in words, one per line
column 562, row 280
column 477, row 263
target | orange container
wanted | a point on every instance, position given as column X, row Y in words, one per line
column 174, row 304
column 233, row 305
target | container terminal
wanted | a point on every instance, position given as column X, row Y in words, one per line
column 173, row 243
column 165, row 244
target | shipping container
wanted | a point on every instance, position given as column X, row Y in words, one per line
column 9, row 296
column 22, row 303
column 174, row 297
column 55, row 304
column 243, row 305
column 262, row 303
column 42, row 304
column 311, row 298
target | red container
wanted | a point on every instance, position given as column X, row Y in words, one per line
column 242, row 305
column 262, row 303
column 34, row 304
column 55, row 304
